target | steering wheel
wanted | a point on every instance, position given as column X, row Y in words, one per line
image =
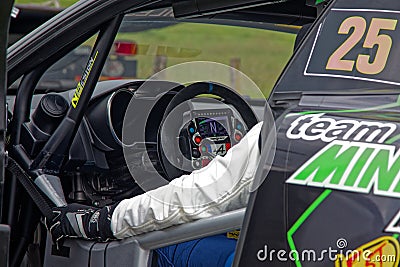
column 168, row 135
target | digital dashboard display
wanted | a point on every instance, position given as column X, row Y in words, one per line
column 218, row 149
column 212, row 127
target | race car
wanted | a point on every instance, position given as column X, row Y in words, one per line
column 327, row 185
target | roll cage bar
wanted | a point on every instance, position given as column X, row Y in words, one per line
column 5, row 11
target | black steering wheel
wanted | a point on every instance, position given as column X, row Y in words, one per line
column 169, row 136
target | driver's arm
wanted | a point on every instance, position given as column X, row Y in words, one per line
column 223, row 185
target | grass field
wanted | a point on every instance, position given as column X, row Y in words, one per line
column 263, row 54
column 63, row 3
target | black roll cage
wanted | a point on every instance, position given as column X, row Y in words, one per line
column 5, row 11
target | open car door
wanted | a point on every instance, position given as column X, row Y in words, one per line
column 5, row 11
column 314, row 207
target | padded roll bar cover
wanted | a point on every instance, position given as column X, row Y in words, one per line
column 81, row 253
column 72, row 253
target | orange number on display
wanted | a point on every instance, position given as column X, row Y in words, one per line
column 373, row 38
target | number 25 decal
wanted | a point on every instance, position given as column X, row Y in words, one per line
column 373, row 37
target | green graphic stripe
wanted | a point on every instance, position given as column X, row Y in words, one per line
column 386, row 106
column 393, row 139
column 327, row 192
column 302, row 219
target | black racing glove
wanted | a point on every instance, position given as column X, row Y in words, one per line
column 80, row 221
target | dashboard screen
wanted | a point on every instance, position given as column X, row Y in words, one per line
column 212, row 127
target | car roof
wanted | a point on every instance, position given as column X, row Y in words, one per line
column 26, row 18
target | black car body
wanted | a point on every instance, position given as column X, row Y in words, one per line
column 331, row 187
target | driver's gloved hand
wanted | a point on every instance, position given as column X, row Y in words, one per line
column 80, row 221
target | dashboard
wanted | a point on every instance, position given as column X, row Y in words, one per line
column 96, row 164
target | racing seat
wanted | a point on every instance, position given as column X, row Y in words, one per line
column 137, row 251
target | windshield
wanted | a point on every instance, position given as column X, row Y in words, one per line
column 148, row 42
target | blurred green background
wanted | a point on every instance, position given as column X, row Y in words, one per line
column 262, row 54
column 63, row 3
